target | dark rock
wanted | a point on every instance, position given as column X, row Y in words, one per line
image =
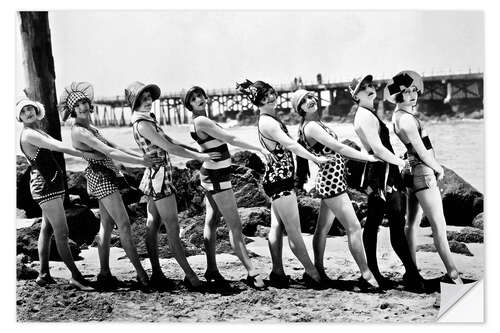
column 250, row 195
column 20, row 214
column 466, row 235
column 77, row 185
column 137, row 209
column 82, row 224
column 194, row 164
column 251, row 218
column 249, row 160
column 455, row 247
column 23, row 258
column 478, row 221
column 24, row 272
column 262, row 231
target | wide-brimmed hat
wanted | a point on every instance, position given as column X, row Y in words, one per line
column 297, row 98
column 400, row 82
column 188, row 94
column 135, row 89
column 40, row 109
column 355, row 84
column 73, row 93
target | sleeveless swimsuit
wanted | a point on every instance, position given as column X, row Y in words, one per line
column 381, row 177
column 157, row 180
column 330, row 180
column 420, row 176
column 46, row 177
column 215, row 175
column 103, row 176
column 278, row 178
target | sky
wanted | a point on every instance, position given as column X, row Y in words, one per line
column 214, row 49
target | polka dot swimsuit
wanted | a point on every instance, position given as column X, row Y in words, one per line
column 330, row 181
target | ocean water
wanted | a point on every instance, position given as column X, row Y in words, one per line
column 459, row 144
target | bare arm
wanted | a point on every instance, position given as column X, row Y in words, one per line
column 150, row 133
column 90, row 140
column 48, row 142
column 315, row 131
column 272, row 130
column 208, row 126
column 369, row 128
column 409, row 127
column 123, row 149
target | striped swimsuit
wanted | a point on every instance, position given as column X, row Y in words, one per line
column 215, row 175
column 46, row 177
column 157, row 180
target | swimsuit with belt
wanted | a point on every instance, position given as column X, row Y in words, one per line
column 46, row 177
column 157, row 180
column 330, row 180
column 278, row 178
column 103, row 176
column 421, row 176
column 215, row 175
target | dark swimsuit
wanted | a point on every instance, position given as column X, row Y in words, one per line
column 330, row 180
column 103, row 177
column 278, row 178
column 420, row 176
column 215, row 175
column 46, row 177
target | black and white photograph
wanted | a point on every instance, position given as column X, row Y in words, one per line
column 255, row 166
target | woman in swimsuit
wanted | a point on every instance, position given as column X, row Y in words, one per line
column 423, row 192
column 157, row 182
column 216, row 179
column 330, row 185
column 104, row 180
column 383, row 185
column 47, row 189
column 278, row 184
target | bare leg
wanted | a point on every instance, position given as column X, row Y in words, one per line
column 103, row 240
column 412, row 223
column 44, row 247
column 153, row 223
column 54, row 213
column 430, row 199
column 227, row 206
column 114, row 206
column 287, row 209
column 342, row 207
column 275, row 241
column 209, row 233
column 167, row 208
column 323, row 225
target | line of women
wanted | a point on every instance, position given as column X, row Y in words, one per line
column 381, row 179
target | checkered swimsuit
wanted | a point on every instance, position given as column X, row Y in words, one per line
column 330, row 181
column 102, row 175
column 157, row 180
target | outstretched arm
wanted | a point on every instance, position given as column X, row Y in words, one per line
column 210, row 128
column 90, row 140
column 48, row 142
column 272, row 130
column 369, row 128
column 150, row 133
column 318, row 133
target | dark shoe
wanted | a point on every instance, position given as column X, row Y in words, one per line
column 191, row 287
column 414, row 283
column 279, row 281
column 42, row 281
column 107, row 282
column 384, row 282
column 256, row 282
column 447, row 279
column 311, row 283
column 160, row 282
column 143, row 286
column 324, row 278
column 366, row 286
column 215, row 279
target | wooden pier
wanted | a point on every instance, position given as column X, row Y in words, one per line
column 443, row 94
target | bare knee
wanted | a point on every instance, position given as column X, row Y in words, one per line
column 353, row 228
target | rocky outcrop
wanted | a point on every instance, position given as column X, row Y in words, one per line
column 478, row 221
column 466, row 235
column 455, row 247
